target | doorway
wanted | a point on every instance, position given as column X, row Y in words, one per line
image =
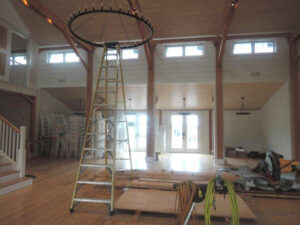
column 184, row 133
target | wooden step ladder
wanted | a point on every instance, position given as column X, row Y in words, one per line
column 106, row 99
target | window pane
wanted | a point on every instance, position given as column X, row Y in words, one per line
column 20, row 59
column 71, row 57
column 176, row 122
column 111, row 54
column 242, row 48
column 174, row 51
column 193, row 50
column 192, row 131
column 264, row 47
column 56, row 58
column 131, row 119
column 130, row 54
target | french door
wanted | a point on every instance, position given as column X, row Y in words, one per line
column 184, row 135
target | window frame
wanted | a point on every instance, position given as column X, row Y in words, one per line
column 138, row 54
column 64, row 57
column 13, row 56
column 183, row 50
column 252, row 42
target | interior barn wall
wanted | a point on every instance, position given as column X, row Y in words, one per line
column 49, row 104
column 178, row 70
column 243, row 131
column 271, row 67
column 10, row 19
column 15, row 109
column 276, row 123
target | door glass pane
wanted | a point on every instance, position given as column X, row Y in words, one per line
column 177, row 141
column 192, row 131
column 142, row 131
column 131, row 120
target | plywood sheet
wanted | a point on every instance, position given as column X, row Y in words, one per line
column 158, row 201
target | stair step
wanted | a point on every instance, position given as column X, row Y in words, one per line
column 95, row 165
column 94, row 182
column 8, row 172
column 5, row 164
column 92, row 200
column 15, row 181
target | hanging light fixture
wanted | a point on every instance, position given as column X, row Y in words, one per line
column 243, row 111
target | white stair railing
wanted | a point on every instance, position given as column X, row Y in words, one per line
column 18, row 73
column 13, row 144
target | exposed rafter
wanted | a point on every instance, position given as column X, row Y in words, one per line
column 221, row 40
column 53, row 19
column 295, row 35
column 148, row 47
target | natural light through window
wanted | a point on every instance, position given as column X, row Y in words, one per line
column 242, row 48
column 56, row 58
column 71, row 57
column 193, row 50
column 174, row 51
column 264, row 47
column 18, row 59
column 111, row 54
column 130, row 54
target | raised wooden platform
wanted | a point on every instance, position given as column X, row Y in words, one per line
column 158, row 201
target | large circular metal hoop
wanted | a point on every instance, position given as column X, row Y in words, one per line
column 129, row 44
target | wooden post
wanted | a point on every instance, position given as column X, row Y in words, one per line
column 21, row 155
column 33, row 110
column 210, row 130
column 89, row 85
column 295, row 104
column 150, row 114
column 219, row 120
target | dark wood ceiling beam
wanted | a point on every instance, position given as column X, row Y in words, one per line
column 53, row 19
column 221, row 40
column 148, row 47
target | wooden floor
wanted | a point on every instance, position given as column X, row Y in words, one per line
column 47, row 202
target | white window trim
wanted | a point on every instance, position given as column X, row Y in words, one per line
column 183, row 50
column 252, row 42
column 129, row 59
column 64, row 57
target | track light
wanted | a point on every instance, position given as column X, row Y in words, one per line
column 49, row 21
column 25, row 2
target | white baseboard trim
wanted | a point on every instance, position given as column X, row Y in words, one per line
column 220, row 161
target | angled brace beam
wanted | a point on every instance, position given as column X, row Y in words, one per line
column 148, row 47
column 52, row 18
column 221, row 41
column 294, row 36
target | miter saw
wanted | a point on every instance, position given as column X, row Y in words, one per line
column 271, row 174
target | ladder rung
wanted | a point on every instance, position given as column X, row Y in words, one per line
column 98, row 149
column 108, row 79
column 122, row 140
column 95, row 165
column 96, row 134
column 108, row 91
column 108, row 66
column 122, row 159
column 94, row 182
column 100, row 104
column 92, row 200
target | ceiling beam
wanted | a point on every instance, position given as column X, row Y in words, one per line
column 148, row 47
column 295, row 35
column 221, row 40
column 53, row 19
column 213, row 37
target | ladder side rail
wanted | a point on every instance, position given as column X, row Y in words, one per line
column 87, row 127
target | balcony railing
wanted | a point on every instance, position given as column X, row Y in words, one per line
column 18, row 73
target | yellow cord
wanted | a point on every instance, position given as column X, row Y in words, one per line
column 209, row 199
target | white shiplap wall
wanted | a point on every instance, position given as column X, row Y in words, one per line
column 182, row 70
column 243, row 131
column 276, row 123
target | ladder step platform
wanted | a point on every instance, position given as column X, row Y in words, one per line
column 95, row 165
column 94, row 182
column 98, row 149
column 94, row 200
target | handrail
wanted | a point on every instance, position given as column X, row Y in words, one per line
column 10, row 124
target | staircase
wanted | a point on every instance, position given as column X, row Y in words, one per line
column 12, row 157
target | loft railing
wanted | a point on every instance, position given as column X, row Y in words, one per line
column 12, row 144
column 18, row 73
